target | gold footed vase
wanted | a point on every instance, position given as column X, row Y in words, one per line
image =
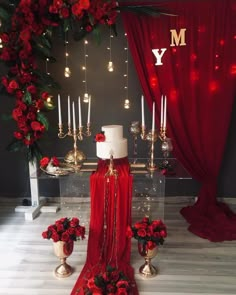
column 147, row 270
column 63, row 250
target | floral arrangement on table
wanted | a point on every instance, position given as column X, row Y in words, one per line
column 100, row 137
column 65, row 229
column 149, row 232
column 111, row 281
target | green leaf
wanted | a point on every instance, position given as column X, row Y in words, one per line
column 4, row 15
column 42, row 119
column 27, row 98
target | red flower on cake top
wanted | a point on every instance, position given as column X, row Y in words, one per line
column 65, row 229
column 100, row 137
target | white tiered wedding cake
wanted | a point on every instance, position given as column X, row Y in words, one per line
column 114, row 145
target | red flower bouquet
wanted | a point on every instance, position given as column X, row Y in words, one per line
column 148, row 232
column 65, row 229
column 111, row 281
column 45, row 161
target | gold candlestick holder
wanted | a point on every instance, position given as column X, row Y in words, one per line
column 152, row 136
column 75, row 157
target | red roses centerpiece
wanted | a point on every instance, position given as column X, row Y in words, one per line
column 65, row 229
column 111, row 281
column 150, row 233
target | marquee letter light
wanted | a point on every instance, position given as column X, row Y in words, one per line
column 158, row 56
column 178, row 40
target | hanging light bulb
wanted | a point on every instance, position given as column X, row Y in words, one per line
column 67, row 71
column 126, row 76
column 110, row 66
column 127, row 104
column 84, row 68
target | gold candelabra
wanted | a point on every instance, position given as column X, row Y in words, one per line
column 75, row 157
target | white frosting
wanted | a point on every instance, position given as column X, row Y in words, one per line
column 114, row 143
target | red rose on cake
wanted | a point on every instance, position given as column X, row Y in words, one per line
column 100, row 137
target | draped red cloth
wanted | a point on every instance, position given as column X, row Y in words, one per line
column 110, row 206
column 198, row 79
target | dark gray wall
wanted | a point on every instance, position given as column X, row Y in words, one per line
column 108, row 94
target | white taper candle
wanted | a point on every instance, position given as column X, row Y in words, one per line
column 59, row 110
column 165, row 109
column 73, row 115
column 153, row 117
column 142, row 108
column 80, row 115
column 69, row 118
column 89, row 110
column 161, row 123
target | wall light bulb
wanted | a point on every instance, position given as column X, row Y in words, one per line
column 86, row 97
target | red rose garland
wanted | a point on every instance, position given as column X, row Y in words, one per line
column 23, row 33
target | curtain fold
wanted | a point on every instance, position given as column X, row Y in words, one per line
column 198, row 77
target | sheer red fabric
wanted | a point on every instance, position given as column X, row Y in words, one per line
column 109, row 218
column 198, row 78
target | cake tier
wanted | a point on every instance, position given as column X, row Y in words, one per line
column 117, row 148
column 113, row 132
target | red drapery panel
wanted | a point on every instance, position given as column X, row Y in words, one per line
column 198, row 77
column 110, row 215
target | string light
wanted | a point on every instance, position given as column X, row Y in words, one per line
column 110, row 66
column 67, row 71
column 46, row 66
column 84, row 68
column 126, row 75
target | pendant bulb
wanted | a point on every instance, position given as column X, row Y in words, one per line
column 110, row 66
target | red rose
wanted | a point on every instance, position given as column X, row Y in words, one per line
column 55, row 161
column 36, row 126
column 13, row 84
column 100, row 137
column 18, row 135
column 44, row 95
column 163, row 233
column 65, row 237
column 55, row 237
column 122, row 291
column 84, row 4
column 31, row 89
column 60, row 227
column 76, row 9
column 31, row 116
column 74, row 222
column 71, row 231
column 19, row 94
column 45, row 234
column 4, row 37
column 25, row 34
column 17, row 112
column 28, row 141
column 44, row 161
column 64, row 12
column 4, row 81
column 141, row 233
column 129, row 232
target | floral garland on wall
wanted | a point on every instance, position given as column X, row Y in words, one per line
column 26, row 30
column 25, row 33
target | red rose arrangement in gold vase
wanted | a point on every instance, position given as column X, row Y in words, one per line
column 65, row 229
column 111, row 281
column 150, row 233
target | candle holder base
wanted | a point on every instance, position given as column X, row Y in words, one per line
column 74, row 157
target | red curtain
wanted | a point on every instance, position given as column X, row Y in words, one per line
column 198, row 79
column 110, row 215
